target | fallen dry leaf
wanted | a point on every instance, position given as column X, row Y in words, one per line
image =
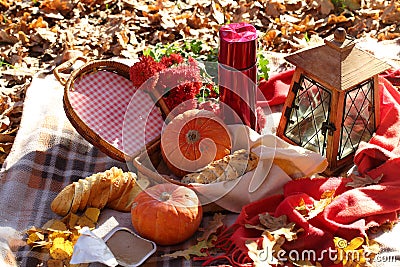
column 200, row 250
column 319, row 205
column 212, row 227
column 358, row 181
column 57, row 237
column 276, row 227
column 264, row 256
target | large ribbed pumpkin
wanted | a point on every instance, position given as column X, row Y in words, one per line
column 192, row 140
column 166, row 213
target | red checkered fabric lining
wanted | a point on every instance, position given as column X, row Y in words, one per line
column 110, row 106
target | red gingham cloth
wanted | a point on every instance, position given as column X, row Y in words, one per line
column 110, row 105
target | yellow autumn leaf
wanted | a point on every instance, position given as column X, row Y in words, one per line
column 302, row 207
column 34, row 237
column 61, row 249
column 262, row 257
column 92, row 214
column 372, row 247
column 319, row 206
column 354, row 243
column 55, row 234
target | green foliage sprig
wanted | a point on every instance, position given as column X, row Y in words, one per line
column 187, row 48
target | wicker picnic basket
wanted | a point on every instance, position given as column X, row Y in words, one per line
column 83, row 127
column 148, row 159
column 150, row 163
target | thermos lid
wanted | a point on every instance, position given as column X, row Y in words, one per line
column 238, row 45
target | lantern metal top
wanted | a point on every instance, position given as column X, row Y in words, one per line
column 338, row 62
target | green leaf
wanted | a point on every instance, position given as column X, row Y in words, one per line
column 262, row 66
column 194, row 46
column 186, row 47
column 148, row 52
column 306, row 37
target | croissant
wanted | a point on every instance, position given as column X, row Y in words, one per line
column 228, row 168
column 112, row 188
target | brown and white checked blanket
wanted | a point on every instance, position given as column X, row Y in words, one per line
column 47, row 155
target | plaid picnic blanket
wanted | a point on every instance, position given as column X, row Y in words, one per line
column 47, row 155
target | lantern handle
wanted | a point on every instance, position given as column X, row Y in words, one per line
column 340, row 35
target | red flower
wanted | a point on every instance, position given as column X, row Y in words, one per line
column 177, row 82
column 181, row 93
column 212, row 92
column 144, row 69
column 173, row 59
column 180, row 83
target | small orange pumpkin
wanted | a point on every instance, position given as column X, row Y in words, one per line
column 166, row 213
column 194, row 139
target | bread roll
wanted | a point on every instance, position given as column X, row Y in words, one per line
column 228, row 168
column 113, row 188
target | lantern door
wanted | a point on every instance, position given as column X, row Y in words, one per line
column 307, row 116
column 359, row 119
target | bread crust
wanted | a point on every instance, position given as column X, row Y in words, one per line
column 112, row 188
column 228, row 168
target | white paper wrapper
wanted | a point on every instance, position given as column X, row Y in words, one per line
column 279, row 163
column 91, row 248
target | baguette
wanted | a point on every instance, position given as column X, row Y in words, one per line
column 113, row 188
column 228, row 168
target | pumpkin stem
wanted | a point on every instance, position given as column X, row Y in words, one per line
column 165, row 196
column 192, row 136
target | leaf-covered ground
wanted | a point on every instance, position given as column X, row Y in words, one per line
column 36, row 36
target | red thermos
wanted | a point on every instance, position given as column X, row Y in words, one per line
column 237, row 73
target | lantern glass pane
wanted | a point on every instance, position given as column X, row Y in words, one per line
column 358, row 123
column 310, row 109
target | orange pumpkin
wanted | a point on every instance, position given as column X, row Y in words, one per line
column 166, row 213
column 194, row 139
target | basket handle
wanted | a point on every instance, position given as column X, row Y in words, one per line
column 66, row 65
column 160, row 101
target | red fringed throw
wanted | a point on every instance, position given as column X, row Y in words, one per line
column 351, row 212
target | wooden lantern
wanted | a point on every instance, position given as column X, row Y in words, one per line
column 333, row 102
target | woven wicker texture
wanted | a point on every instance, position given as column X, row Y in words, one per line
column 100, row 100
